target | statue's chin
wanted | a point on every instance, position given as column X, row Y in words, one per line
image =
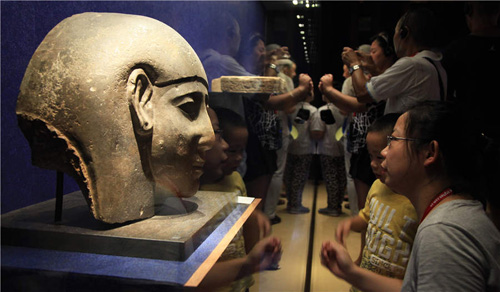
column 189, row 192
column 167, row 188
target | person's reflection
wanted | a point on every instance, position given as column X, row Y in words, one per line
column 219, row 56
column 219, row 60
column 246, row 254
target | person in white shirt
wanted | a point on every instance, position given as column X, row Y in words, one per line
column 299, row 158
column 416, row 76
column 325, row 123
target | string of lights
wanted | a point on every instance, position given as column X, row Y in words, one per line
column 308, row 28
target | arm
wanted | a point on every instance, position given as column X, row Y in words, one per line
column 255, row 228
column 265, row 253
column 291, row 98
column 368, row 64
column 272, row 57
column 344, row 102
column 359, row 79
column 355, row 223
column 337, row 260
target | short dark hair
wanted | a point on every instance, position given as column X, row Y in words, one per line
column 229, row 119
column 384, row 124
column 481, row 7
column 384, row 40
column 423, row 25
column 247, row 45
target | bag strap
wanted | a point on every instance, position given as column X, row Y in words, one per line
column 441, row 87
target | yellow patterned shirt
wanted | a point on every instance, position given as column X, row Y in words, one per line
column 235, row 249
column 392, row 225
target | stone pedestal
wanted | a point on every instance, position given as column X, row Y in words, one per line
column 165, row 237
column 164, row 253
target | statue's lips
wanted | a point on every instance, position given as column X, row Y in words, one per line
column 198, row 162
column 198, row 167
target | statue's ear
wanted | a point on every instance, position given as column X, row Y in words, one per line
column 139, row 91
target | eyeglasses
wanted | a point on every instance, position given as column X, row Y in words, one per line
column 392, row 138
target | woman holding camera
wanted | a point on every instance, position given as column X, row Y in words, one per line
column 381, row 57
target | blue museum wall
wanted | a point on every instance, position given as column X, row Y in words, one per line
column 24, row 25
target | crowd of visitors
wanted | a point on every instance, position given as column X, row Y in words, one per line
column 416, row 140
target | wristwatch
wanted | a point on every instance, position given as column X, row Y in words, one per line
column 353, row 68
column 274, row 67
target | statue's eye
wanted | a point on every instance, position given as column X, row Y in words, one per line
column 190, row 105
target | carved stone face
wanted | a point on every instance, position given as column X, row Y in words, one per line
column 118, row 102
column 181, row 136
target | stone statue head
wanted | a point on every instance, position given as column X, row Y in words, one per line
column 118, row 102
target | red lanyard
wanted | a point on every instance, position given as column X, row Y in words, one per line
column 447, row 192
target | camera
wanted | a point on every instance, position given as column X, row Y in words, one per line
column 327, row 117
column 302, row 116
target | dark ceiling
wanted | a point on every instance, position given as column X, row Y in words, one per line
column 329, row 26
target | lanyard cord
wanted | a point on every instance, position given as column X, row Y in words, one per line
column 447, row 192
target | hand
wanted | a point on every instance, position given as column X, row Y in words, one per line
column 367, row 63
column 347, row 49
column 305, row 87
column 305, row 81
column 282, row 53
column 311, row 92
column 265, row 253
column 325, row 82
column 349, row 57
column 343, row 229
column 336, row 259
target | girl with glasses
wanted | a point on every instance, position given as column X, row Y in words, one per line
column 437, row 160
